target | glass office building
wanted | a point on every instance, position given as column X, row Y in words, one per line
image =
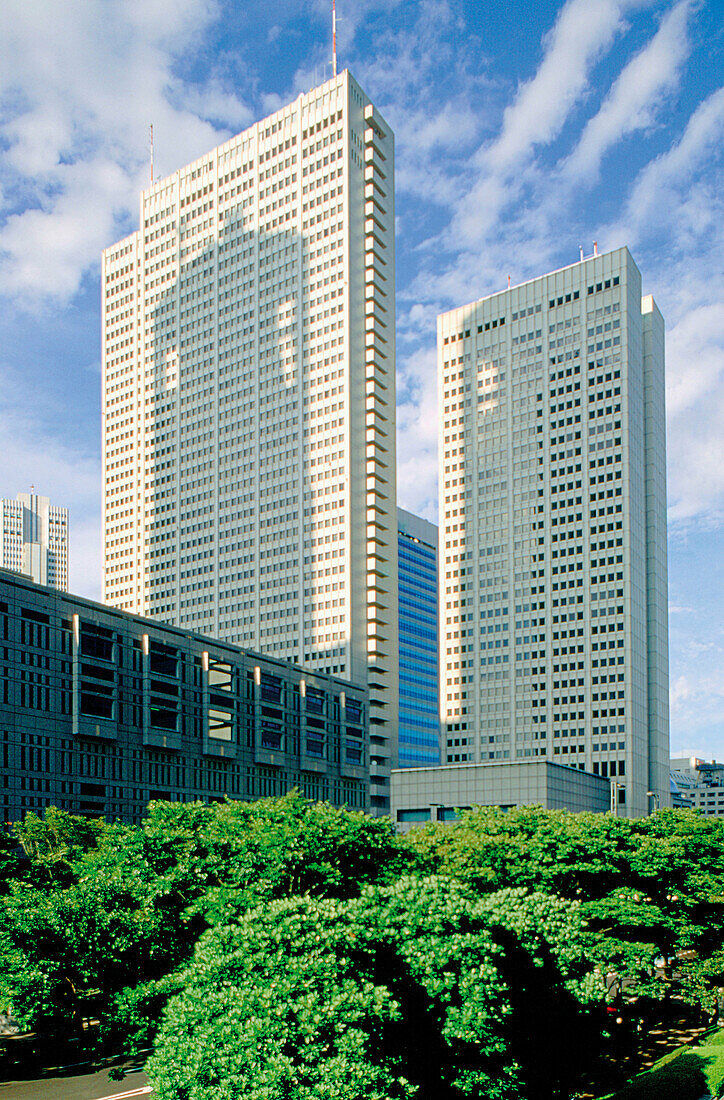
column 419, row 729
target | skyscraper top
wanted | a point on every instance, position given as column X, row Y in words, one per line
column 549, row 274
column 269, row 128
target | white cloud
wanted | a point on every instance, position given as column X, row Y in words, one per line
column 83, row 82
column 635, row 96
column 675, row 211
column 671, row 173
column 696, row 703
column 417, row 425
column 583, row 32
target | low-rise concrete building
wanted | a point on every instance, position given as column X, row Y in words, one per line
column 102, row 711
column 438, row 794
column 698, row 784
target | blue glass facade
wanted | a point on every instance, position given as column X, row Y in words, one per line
column 419, row 729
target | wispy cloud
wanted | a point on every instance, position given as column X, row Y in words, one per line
column 583, row 32
column 636, row 95
column 671, row 173
column 417, row 433
column 696, row 701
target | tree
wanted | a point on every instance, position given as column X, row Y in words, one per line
column 105, row 908
column 648, row 888
column 415, row 989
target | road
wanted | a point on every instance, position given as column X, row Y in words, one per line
column 75, row 1085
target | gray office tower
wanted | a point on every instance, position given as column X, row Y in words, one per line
column 553, row 578
column 419, row 729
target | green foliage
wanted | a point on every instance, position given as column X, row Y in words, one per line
column 11, row 868
column 447, row 964
column 413, row 990
column 648, row 888
column 105, row 906
column 132, row 1020
column 55, row 842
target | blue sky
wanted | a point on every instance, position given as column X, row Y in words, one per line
column 524, row 130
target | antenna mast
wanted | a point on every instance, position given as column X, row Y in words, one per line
column 150, row 131
column 334, row 37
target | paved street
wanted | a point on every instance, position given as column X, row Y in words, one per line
column 76, row 1085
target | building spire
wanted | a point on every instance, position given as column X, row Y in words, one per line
column 334, row 37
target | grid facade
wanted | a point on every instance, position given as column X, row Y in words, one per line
column 34, row 539
column 419, row 728
column 102, row 711
column 249, row 396
column 552, row 503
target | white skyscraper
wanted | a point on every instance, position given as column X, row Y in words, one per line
column 249, row 398
column 553, row 578
column 34, row 539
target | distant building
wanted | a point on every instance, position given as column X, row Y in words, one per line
column 553, row 571
column 439, row 794
column 419, row 730
column 699, row 784
column 101, row 711
column 34, row 539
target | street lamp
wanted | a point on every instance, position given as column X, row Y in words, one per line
column 657, row 800
column 615, row 788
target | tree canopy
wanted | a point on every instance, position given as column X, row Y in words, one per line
column 295, row 947
column 413, row 990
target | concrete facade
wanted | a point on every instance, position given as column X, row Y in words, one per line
column 249, row 399
column 101, row 711
column 553, row 572
column 437, row 794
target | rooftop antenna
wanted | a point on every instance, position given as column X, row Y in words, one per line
column 580, row 247
column 334, row 37
column 595, row 248
column 509, row 282
column 150, row 135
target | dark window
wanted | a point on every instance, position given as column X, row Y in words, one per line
column 315, row 701
column 163, row 659
column 163, row 718
column 96, row 641
column 95, row 703
column 354, row 711
column 354, row 751
column 271, row 688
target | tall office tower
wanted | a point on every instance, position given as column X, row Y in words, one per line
column 419, row 727
column 249, row 399
column 553, row 577
column 34, row 539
